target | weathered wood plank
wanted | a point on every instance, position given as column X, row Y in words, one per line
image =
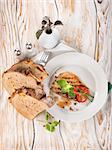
column 104, row 45
column 19, row 20
column 16, row 132
column 81, row 22
column 80, row 18
column 29, row 22
column 101, row 49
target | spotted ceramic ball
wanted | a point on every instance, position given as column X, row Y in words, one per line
column 17, row 52
column 28, row 45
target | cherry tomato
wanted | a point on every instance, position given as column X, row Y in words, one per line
column 80, row 98
column 75, row 90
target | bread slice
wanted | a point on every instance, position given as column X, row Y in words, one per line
column 16, row 80
column 27, row 105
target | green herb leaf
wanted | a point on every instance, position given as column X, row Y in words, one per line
column 47, row 126
column 72, row 95
column 52, row 128
column 71, row 92
column 55, row 123
column 64, row 85
column 109, row 87
column 47, row 115
column 38, row 33
column 66, row 88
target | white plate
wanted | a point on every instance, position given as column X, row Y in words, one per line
column 90, row 73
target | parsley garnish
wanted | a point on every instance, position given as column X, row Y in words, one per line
column 50, row 126
column 66, row 88
column 71, row 92
column 64, row 85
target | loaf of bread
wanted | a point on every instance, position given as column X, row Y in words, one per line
column 24, row 82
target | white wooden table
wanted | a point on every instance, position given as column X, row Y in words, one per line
column 88, row 26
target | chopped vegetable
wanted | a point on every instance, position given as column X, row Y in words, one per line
column 64, row 85
column 81, row 98
column 55, row 123
column 47, row 126
column 47, row 115
column 80, row 92
column 71, row 92
column 87, row 95
column 66, row 88
column 50, row 126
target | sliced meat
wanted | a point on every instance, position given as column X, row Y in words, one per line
column 70, row 78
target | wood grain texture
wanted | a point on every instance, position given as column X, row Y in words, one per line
column 15, row 131
column 87, row 26
column 104, row 55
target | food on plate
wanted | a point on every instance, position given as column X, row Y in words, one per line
column 24, row 82
column 72, row 93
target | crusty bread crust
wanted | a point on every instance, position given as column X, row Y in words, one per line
column 28, row 67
